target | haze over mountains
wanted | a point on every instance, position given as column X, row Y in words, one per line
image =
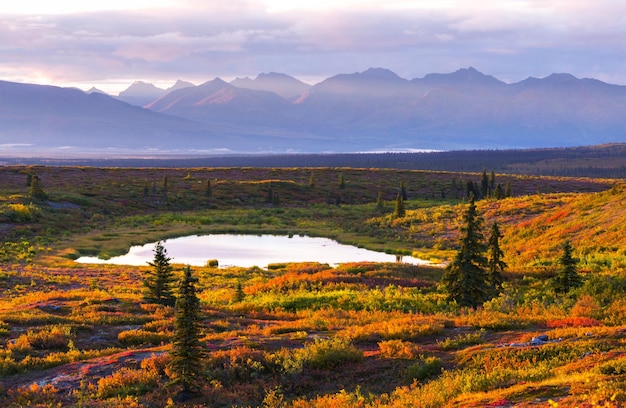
column 372, row 110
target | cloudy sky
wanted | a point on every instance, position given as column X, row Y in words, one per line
column 111, row 43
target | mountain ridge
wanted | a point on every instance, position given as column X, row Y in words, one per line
column 372, row 110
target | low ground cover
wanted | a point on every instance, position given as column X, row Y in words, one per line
column 300, row 335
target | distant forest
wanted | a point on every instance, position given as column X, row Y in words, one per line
column 601, row 161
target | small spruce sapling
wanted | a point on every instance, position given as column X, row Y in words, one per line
column 495, row 259
column 399, row 211
column 158, row 281
column 567, row 277
column 187, row 350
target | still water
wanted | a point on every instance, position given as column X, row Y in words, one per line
column 252, row 250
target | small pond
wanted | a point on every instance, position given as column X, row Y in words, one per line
column 252, row 250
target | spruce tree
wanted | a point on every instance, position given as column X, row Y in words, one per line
column 567, row 277
column 403, row 191
column 239, row 293
column 498, row 193
column 508, row 191
column 484, row 184
column 342, row 181
column 471, row 189
column 158, row 282
column 380, row 202
column 464, row 279
column 495, row 262
column 187, row 351
column 399, row 211
column 164, row 191
column 36, row 190
column 455, row 188
column 208, row 191
column 492, row 180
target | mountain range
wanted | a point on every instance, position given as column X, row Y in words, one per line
column 374, row 110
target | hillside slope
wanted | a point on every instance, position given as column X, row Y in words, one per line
column 534, row 226
column 594, row 223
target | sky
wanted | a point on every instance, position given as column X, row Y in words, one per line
column 111, row 43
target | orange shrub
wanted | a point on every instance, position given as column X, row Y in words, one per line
column 404, row 328
column 573, row 322
column 586, row 306
column 398, row 349
column 138, row 337
column 127, row 382
column 35, row 395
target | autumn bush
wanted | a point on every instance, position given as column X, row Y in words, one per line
column 328, row 353
column 404, row 328
column 424, row 368
column 35, row 395
column 613, row 367
column 19, row 212
column 52, row 337
column 142, row 337
column 237, row 364
column 398, row 349
column 127, row 381
column 573, row 322
column 460, row 341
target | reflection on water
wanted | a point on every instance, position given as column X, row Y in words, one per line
column 253, row 250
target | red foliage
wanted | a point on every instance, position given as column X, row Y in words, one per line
column 500, row 403
column 573, row 322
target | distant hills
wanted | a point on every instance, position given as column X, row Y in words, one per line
column 374, row 110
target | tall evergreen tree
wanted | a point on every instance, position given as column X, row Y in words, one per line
column 484, row 184
column 380, row 203
column 239, row 293
column 567, row 277
column 208, row 191
column 492, row 180
column 399, row 211
column 464, row 278
column 403, row 191
column 36, row 190
column 498, row 193
column 158, row 282
column 342, row 181
column 164, row 190
column 471, row 189
column 495, row 261
column 187, row 350
column 508, row 191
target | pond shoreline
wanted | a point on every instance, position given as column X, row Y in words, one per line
column 246, row 250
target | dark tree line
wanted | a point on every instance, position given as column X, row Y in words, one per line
column 610, row 159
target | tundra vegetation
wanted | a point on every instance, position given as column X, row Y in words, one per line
column 548, row 329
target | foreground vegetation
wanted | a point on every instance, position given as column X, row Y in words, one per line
column 304, row 335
